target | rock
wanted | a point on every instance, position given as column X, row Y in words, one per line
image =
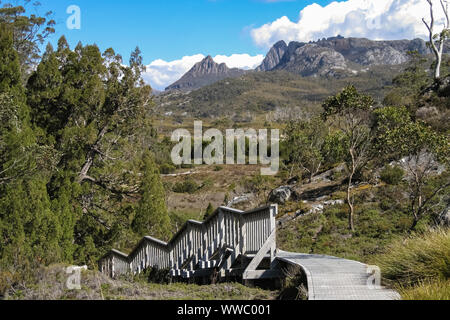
column 274, row 56
column 312, row 59
column 327, row 176
column 204, row 73
column 444, row 217
column 281, row 195
column 322, row 199
column 424, row 159
column 331, row 57
column 240, row 200
column 425, row 113
column 293, row 181
column 382, row 56
column 334, row 202
column 317, row 208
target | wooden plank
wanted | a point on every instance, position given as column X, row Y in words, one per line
column 262, row 253
column 261, row 274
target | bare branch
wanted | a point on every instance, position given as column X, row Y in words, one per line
column 445, row 10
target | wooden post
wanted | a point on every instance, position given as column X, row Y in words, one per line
column 273, row 229
column 221, row 228
column 243, row 238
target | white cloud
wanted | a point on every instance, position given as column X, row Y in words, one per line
column 160, row 74
column 373, row 19
column 241, row 61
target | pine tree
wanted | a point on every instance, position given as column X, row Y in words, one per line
column 151, row 213
column 16, row 136
column 30, row 231
column 45, row 95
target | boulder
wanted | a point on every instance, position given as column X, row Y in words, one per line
column 281, row 195
column 240, row 200
column 444, row 217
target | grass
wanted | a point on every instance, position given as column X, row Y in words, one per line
column 422, row 258
column 183, row 291
column 50, row 284
column 435, row 290
column 328, row 233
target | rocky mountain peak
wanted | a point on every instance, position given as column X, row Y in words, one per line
column 203, row 73
column 274, row 56
column 339, row 56
column 208, row 66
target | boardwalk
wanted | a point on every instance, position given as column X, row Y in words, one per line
column 236, row 244
column 331, row 278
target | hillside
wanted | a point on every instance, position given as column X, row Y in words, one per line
column 280, row 92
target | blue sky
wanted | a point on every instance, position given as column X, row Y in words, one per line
column 174, row 34
column 170, row 29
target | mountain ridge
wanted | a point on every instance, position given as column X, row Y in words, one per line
column 334, row 57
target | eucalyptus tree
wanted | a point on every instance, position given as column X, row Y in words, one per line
column 423, row 152
column 30, row 30
column 437, row 40
column 350, row 112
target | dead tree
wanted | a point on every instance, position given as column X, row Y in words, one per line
column 437, row 40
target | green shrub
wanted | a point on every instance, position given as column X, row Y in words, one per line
column 167, row 168
column 207, row 184
column 419, row 258
column 188, row 186
column 392, row 175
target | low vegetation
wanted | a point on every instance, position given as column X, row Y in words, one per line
column 328, row 232
column 419, row 265
column 49, row 283
column 433, row 290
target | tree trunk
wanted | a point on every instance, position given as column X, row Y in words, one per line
column 351, row 208
column 414, row 225
column 83, row 175
column 437, row 73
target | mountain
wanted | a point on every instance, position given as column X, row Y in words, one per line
column 274, row 56
column 204, row 73
column 312, row 59
column 335, row 57
column 339, row 56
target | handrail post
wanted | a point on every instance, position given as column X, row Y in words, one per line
column 273, row 228
column 112, row 267
column 171, row 258
column 221, row 228
column 191, row 247
column 243, row 238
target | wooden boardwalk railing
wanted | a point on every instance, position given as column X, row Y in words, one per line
column 235, row 243
column 231, row 241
